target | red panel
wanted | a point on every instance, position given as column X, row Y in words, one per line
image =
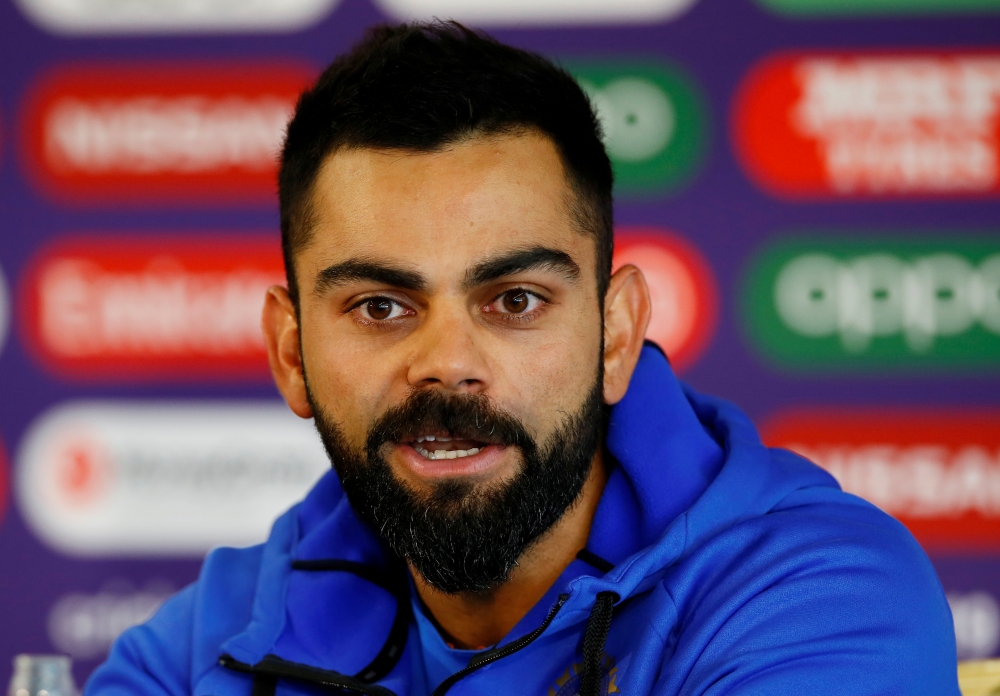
column 871, row 124
column 109, row 308
column 936, row 471
column 161, row 133
column 683, row 289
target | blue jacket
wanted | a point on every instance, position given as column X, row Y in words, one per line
column 737, row 570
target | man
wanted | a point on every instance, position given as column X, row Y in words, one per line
column 525, row 499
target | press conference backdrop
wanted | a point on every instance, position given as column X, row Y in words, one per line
column 811, row 186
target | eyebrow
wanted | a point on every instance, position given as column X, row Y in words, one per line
column 533, row 258
column 368, row 270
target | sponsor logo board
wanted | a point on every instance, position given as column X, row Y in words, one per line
column 654, row 122
column 177, row 16
column 872, row 125
column 84, row 625
column 113, row 308
column 937, row 472
column 820, row 302
column 681, row 286
column 134, row 478
column 879, row 7
column 179, row 132
column 528, row 12
column 4, row 478
column 977, row 624
column 4, row 310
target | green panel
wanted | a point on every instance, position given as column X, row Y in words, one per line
column 880, row 7
column 654, row 121
column 821, row 304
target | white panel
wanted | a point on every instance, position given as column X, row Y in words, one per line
column 174, row 16
column 163, row 478
column 520, row 12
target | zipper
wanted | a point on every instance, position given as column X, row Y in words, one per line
column 485, row 658
column 274, row 666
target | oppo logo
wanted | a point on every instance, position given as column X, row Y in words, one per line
column 96, row 307
column 863, row 125
column 184, row 132
column 881, row 295
column 163, row 478
column 521, row 12
column 936, row 471
column 871, row 302
column 653, row 120
column 177, row 16
column 681, row 286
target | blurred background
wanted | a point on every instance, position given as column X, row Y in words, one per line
column 812, row 187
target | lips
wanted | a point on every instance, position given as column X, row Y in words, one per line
column 435, row 447
column 449, row 457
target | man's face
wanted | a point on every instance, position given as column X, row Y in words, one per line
column 442, row 293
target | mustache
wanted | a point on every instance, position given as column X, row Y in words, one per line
column 467, row 416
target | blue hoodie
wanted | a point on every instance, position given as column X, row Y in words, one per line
column 722, row 566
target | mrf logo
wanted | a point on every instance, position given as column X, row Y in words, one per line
column 881, row 124
column 152, row 308
column 681, row 287
column 654, row 122
column 938, row 472
column 825, row 303
column 179, row 132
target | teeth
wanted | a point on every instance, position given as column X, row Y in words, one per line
column 446, row 454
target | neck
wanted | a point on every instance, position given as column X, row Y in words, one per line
column 477, row 620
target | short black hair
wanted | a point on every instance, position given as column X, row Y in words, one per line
column 423, row 86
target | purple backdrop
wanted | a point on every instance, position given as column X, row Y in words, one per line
column 71, row 579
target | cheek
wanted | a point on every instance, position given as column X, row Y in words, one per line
column 552, row 376
column 350, row 384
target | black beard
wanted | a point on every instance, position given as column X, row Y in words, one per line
column 463, row 537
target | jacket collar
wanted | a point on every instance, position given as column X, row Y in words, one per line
column 684, row 466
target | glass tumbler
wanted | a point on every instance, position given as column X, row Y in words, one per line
column 42, row 675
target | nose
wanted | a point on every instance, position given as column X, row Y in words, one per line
column 447, row 355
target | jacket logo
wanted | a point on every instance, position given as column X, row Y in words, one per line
column 569, row 683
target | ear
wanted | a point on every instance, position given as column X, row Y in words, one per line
column 281, row 334
column 626, row 314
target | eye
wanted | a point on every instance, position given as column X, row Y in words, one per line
column 381, row 309
column 516, row 301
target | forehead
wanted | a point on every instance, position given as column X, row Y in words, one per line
column 467, row 200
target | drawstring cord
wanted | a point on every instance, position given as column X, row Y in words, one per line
column 594, row 639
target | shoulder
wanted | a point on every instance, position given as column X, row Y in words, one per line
column 823, row 580
column 167, row 654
